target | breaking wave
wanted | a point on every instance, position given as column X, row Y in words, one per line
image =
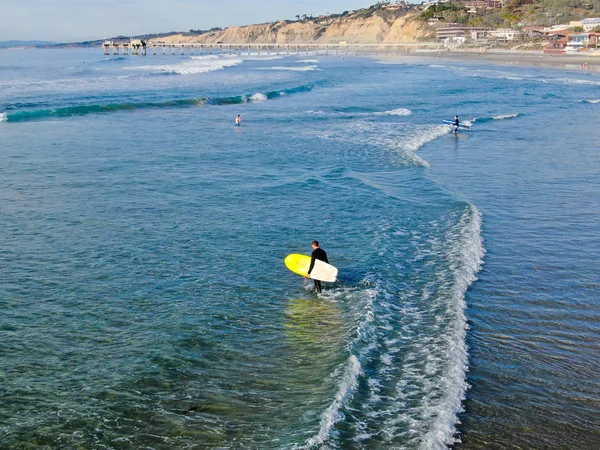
column 293, row 69
column 82, row 110
column 259, row 97
column 506, row 116
column 490, row 119
column 405, row 380
column 395, row 112
column 348, row 373
column 193, row 66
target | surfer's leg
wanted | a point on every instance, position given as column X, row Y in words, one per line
column 318, row 286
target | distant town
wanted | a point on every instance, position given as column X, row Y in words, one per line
column 551, row 26
column 524, row 22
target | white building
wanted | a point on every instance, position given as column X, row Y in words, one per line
column 505, row 34
column 590, row 24
column 556, row 28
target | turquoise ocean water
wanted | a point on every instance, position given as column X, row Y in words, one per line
column 143, row 298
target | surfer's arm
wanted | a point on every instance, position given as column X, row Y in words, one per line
column 310, row 268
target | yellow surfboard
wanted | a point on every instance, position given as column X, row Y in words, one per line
column 321, row 271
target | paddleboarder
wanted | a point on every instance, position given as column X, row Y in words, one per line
column 456, row 124
column 321, row 255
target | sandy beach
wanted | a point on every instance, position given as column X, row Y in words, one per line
column 528, row 58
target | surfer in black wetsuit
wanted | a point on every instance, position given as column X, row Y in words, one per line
column 321, row 255
column 456, row 124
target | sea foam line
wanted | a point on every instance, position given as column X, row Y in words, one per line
column 350, row 371
column 332, row 415
column 194, row 66
column 293, row 69
column 3, row 117
column 432, row 388
column 395, row 112
column 488, row 119
column 413, row 143
column 380, row 135
column 466, row 256
column 506, row 116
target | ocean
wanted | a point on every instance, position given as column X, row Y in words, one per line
column 143, row 296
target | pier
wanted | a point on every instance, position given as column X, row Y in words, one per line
column 142, row 48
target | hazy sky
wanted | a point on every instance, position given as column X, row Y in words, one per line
column 76, row 20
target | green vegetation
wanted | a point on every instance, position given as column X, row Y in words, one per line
column 198, row 32
column 516, row 13
column 448, row 12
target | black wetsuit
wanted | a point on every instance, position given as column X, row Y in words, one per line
column 456, row 124
column 321, row 255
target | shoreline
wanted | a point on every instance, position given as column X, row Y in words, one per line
column 530, row 58
column 522, row 58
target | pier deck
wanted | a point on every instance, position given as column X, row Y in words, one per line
column 142, row 48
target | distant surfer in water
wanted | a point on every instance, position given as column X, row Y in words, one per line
column 456, row 124
column 321, row 255
column 238, row 121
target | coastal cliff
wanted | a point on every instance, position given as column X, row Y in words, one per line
column 389, row 25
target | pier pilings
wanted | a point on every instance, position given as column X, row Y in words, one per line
column 138, row 48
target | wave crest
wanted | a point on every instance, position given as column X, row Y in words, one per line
column 466, row 256
column 293, row 69
column 195, row 65
column 81, row 110
column 506, row 116
column 395, row 112
column 332, row 415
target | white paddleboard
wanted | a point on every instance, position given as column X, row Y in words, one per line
column 451, row 122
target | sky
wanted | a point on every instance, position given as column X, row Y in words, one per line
column 79, row 20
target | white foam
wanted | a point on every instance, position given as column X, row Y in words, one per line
column 195, row 65
column 308, row 61
column 204, row 57
column 592, row 101
column 435, row 370
column 3, row 117
column 292, row 69
column 432, row 386
column 349, row 372
column 258, row 97
column 395, row 112
column 425, row 134
column 332, row 414
column 404, row 139
column 506, row 116
column 252, row 56
column 577, row 81
column 466, row 256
